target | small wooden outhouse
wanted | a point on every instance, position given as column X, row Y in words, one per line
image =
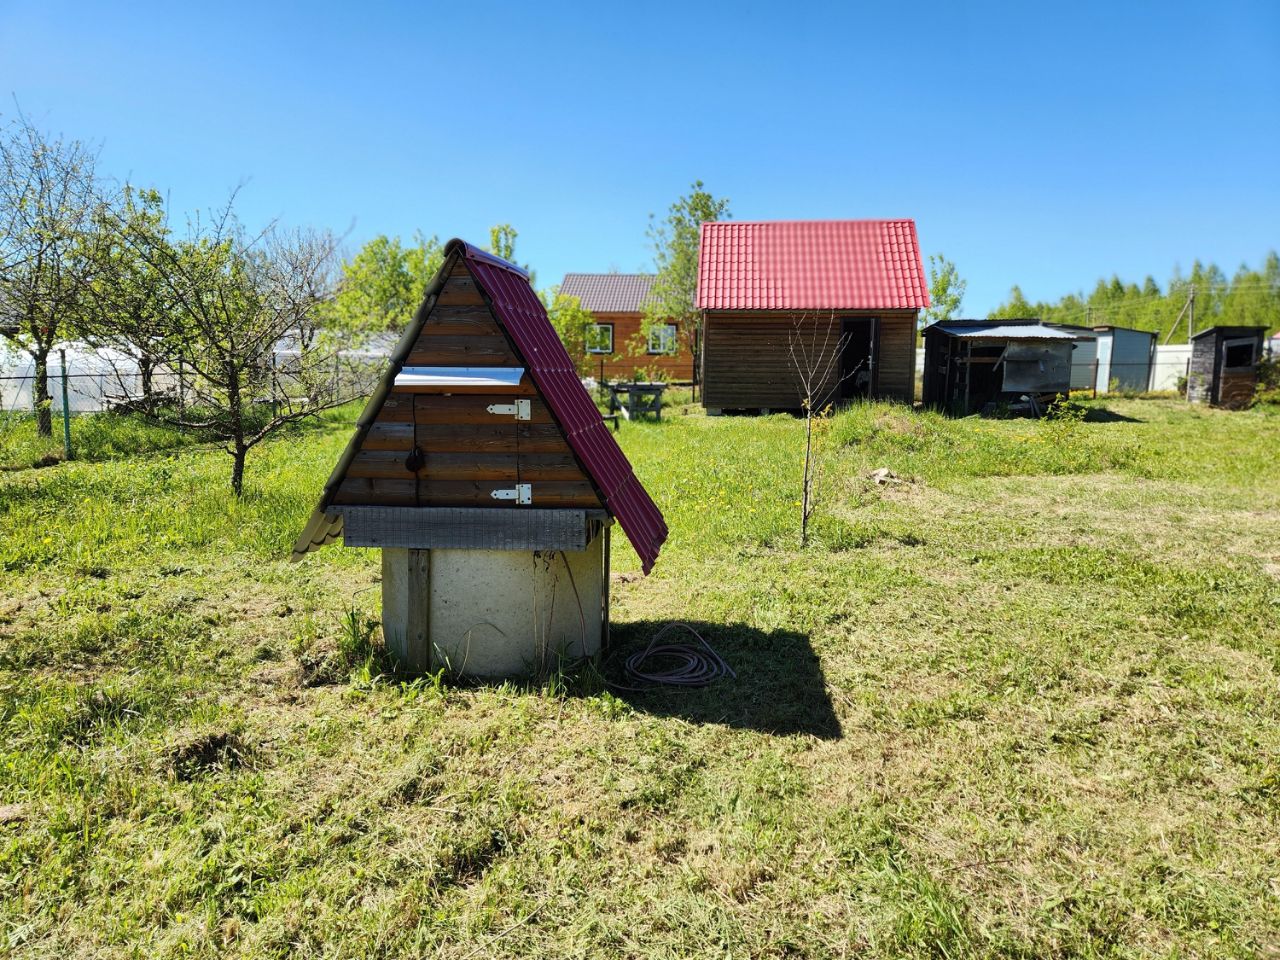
column 1224, row 365
column 483, row 470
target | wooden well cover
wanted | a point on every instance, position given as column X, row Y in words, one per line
column 480, row 408
column 455, row 442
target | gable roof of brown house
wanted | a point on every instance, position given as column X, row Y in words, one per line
column 608, row 292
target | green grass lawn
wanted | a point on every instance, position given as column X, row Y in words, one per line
column 1022, row 703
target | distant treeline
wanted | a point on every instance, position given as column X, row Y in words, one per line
column 1249, row 298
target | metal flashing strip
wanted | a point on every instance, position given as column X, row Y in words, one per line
column 1009, row 331
column 459, row 376
column 467, row 528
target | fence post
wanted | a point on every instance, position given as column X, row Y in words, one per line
column 66, row 409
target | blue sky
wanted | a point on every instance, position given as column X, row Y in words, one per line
column 1039, row 144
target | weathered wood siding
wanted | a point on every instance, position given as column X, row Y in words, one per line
column 747, row 356
column 464, row 451
column 630, row 354
column 1202, row 374
column 1236, row 390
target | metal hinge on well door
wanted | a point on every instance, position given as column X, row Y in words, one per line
column 520, row 493
column 521, row 409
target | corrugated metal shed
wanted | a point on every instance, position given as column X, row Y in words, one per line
column 811, row 265
column 608, row 292
column 521, row 314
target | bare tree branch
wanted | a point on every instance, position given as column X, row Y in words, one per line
column 816, row 359
column 235, row 304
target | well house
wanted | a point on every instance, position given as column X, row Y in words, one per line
column 482, row 469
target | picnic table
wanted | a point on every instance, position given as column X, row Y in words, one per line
column 634, row 400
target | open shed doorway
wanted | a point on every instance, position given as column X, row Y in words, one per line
column 857, row 357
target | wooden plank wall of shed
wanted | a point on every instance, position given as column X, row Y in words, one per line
column 747, row 359
column 468, row 452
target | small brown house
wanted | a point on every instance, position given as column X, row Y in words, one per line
column 859, row 284
column 618, row 347
column 1224, row 365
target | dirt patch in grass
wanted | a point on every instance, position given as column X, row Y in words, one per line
column 198, row 754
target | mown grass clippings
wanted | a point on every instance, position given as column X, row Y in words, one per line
column 1019, row 705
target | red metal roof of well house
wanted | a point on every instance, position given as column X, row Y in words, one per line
column 811, row 265
column 524, row 318
column 608, row 292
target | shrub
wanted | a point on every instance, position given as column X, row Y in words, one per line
column 1268, row 389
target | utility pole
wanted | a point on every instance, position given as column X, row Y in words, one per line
column 1188, row 308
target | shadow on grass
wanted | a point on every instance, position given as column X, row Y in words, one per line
column 1102, row 415
column 779, row 688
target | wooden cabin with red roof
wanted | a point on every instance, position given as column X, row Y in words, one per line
column 617, row 345
column 484, row 472
column 855, row 285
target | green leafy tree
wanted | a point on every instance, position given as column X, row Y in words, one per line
column 672, row 298
column 502, row 241
column 1248, row 298
column 1254, row 295
column 383, row 284
column 242, row 320
column 946, row 290
column 1016, row 307
column 128, row 307
column 49, row 199
column 572, row 324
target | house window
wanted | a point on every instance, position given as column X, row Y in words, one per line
column 662, row 338
column 1238, row 354
column 600, row 338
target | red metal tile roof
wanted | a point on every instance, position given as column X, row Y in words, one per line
column 523, row 316
column 608, row 292
column 811, row 265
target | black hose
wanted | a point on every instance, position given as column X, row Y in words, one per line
column 688, row 665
